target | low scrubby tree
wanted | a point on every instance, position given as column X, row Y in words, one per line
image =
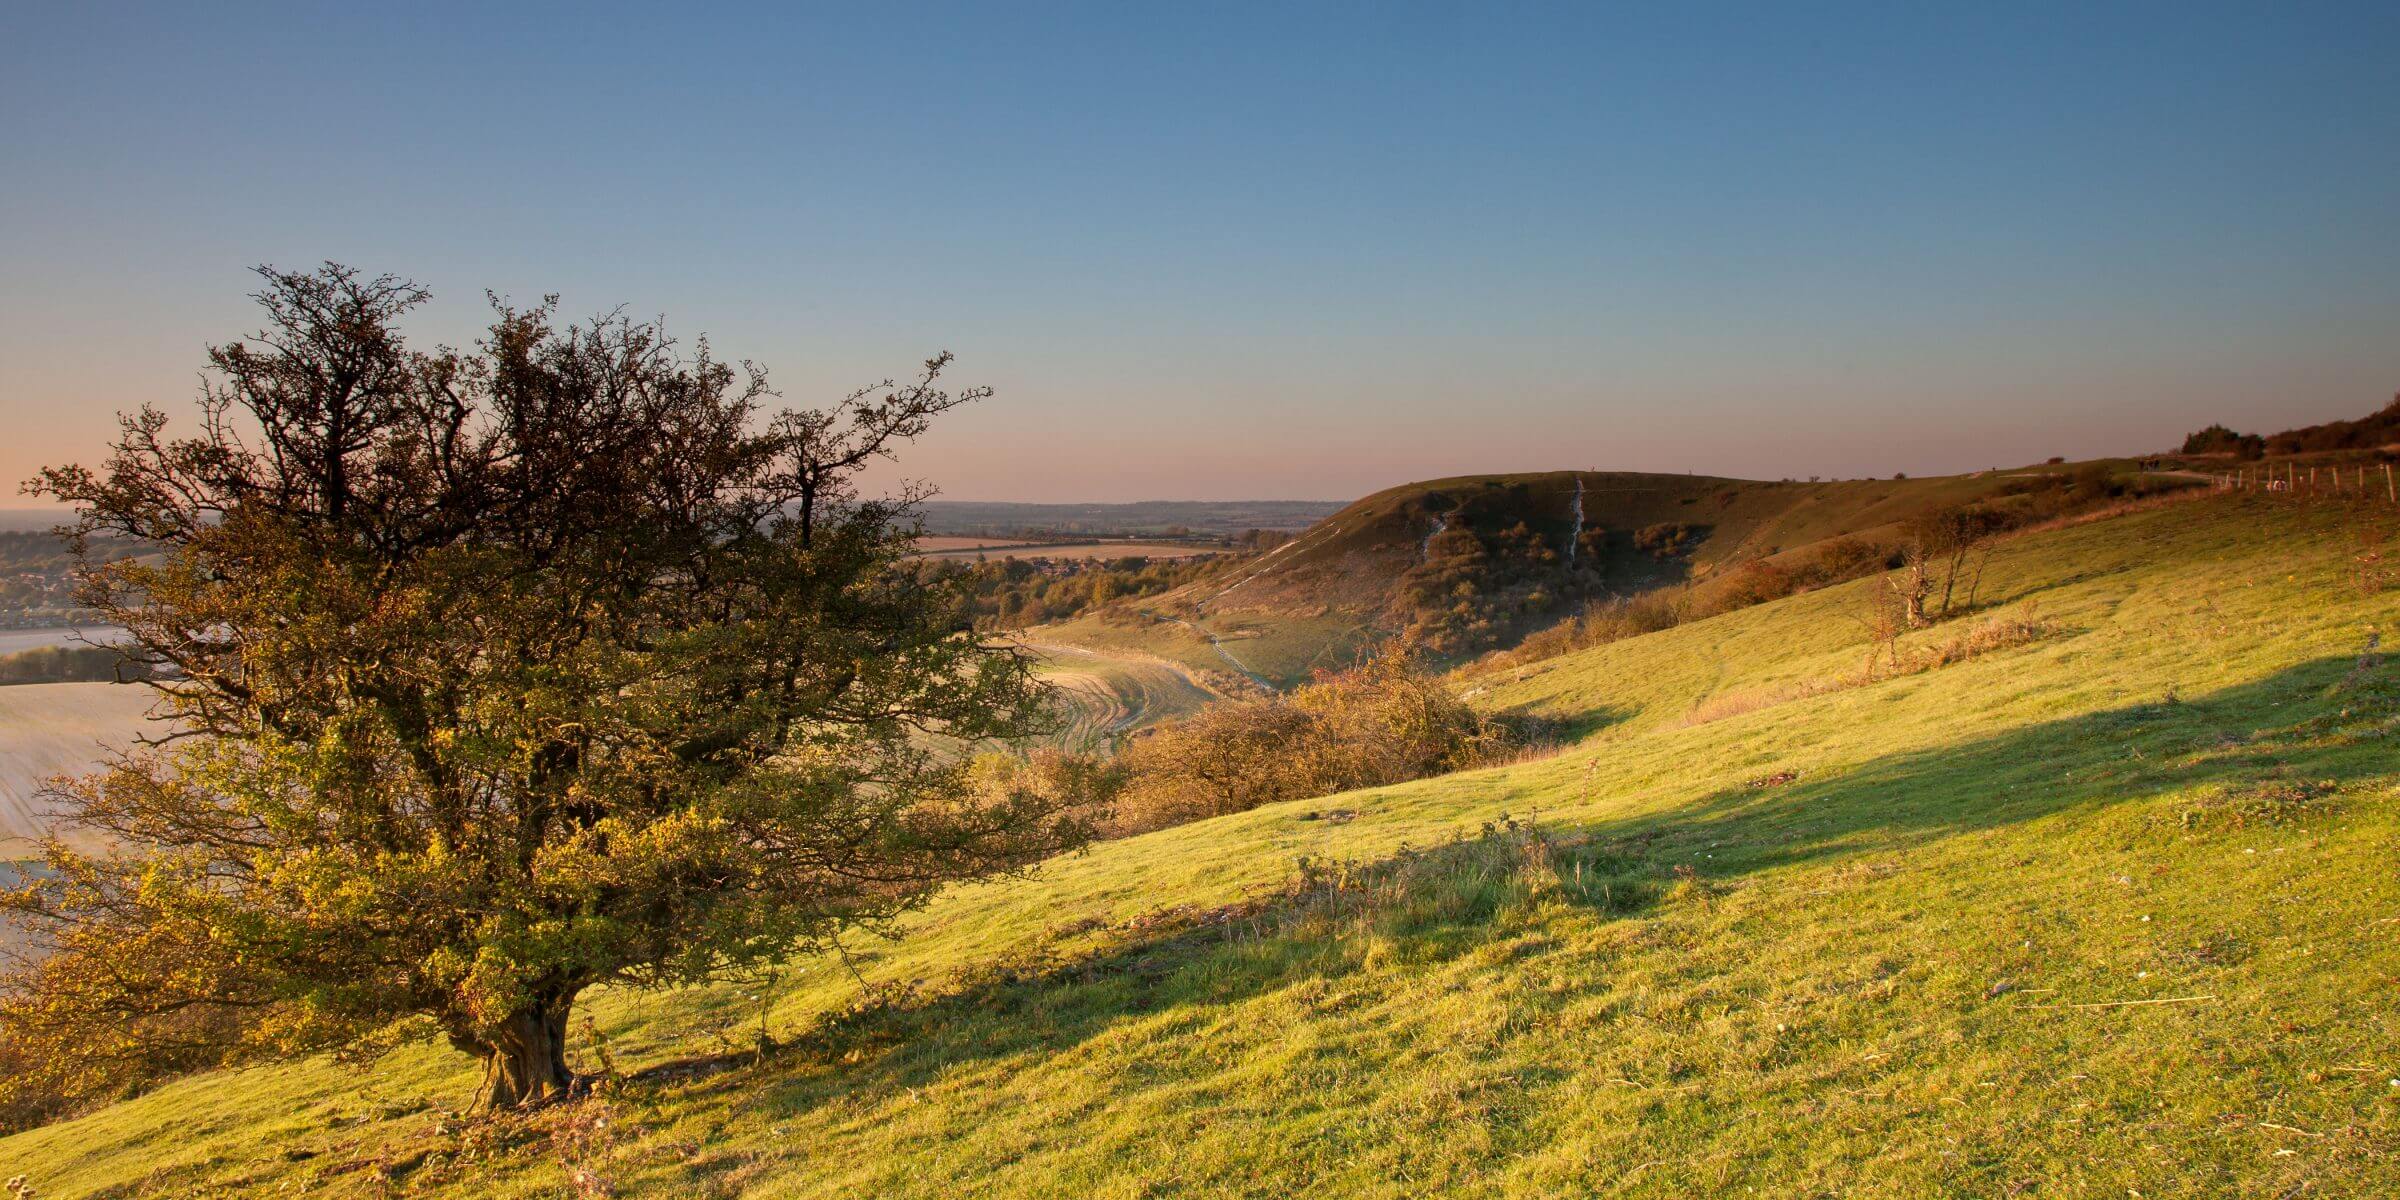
column 498, row 675
column 1383, row 721
column 1938, row 541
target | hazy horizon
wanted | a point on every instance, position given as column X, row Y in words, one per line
column 1248, row 252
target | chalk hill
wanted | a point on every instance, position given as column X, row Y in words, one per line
column 1471, row 563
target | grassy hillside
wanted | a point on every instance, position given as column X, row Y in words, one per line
column 1352, row 559
column 1474, row 563
column 1280, row 651
column 2110, row 913
column 1226, row 518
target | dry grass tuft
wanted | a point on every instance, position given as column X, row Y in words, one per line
column 1984, row 637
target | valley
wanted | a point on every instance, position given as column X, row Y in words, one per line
column 977, row 549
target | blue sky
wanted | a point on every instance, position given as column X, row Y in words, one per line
column 1272, row 251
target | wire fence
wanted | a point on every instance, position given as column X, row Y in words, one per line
column 2362, row 481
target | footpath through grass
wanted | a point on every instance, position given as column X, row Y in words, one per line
column 2109, row 913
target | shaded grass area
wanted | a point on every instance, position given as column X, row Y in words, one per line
column 1817, row 949
column 1377, row 970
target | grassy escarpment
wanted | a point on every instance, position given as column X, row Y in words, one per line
column 2106, row 910
column 1458, row 567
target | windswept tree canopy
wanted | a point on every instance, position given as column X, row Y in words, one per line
column 498, row 674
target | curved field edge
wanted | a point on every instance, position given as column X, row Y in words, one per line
column 1104, row 696
column 1220, row 650
column 1829, row 946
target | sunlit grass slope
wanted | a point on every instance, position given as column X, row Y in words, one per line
column 2113, row 913
column 1282, row 652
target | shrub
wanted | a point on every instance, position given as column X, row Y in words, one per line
column 2217, row 439
column 1668, row 539
column 1600, row 622
column 1838, row 560
column 2272, row 802
column 1756, row 582
column 1997, row 633
column 1383, row 722
column 1016, row 592
column 2371, row 568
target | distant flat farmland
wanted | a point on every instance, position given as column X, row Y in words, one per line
column 13, row 640
column 49, row 729
column 1148, row 518
column 999, row 550
column 935, row 545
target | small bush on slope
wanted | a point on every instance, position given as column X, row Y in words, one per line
column 1383, row 722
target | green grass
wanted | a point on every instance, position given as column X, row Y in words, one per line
column 1829, row 947
column 1282, row 651
column 1331, row 591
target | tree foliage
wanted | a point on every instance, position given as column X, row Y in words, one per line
column 497, row 675
column 1496, row 558
column 2379, row 430
column 1018, row 592
column 2217, row 439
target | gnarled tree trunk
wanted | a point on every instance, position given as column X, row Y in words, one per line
column 525, row 1059
column 1913, row 592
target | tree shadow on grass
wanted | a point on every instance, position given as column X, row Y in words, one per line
column 1578, row 727
column 2291, row 723
column 1439, row 903
column 1086, row 977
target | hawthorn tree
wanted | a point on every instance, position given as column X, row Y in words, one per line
column 495, row 675
column 1943, row 536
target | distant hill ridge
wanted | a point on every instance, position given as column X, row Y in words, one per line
column 1141, row 517
column 1479, row 555
column 2376, row 431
